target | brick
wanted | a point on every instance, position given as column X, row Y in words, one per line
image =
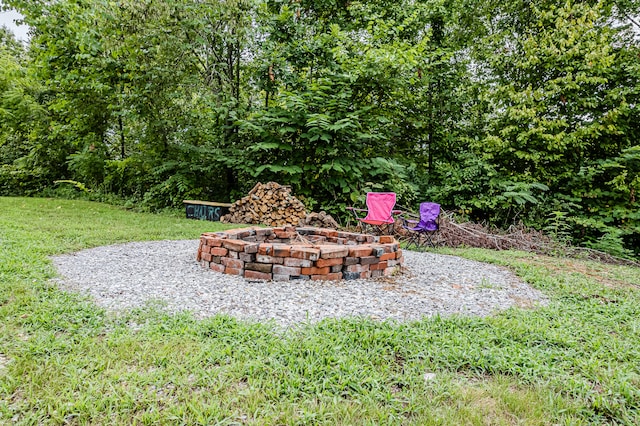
column 317, row 239
column 285, row 270
column 213, row 242
column 388, row 256
column 256, row 275
column 331, row 252
column 216, row 267
column 360, row 251
column 199, row 256
column 204, row 248
column 326, row 232
column 219, row 251
column 351, row 275
column 379, row 266
column 384, row 239
column 206, row 257
column 347, row 235
column 398, row 253
column 386, row 248
column 351, row 261
column 232, row 263
column 365, row 274
column 284, row 235
column 261, row 258
column 263, row 232
column 240, row 233
column 321, row 263
column 392, row 262
column 356, row 268
column 377, row 274
column 377, row 251
column 306, row 230
column 279, row 277
column 216, row 259
column 251, row 248
column 265, row 248
column 369, row 260
column 327, row 277
column 281, row 250
column 259, row 267
column 308, row 253
column 233, row 271
column 299, row 277
column 246, row 257
column 233, row 255
column 235, row 245
column 315, row 271
column 336, row 268
column 292, row 261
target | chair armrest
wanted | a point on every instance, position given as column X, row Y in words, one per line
column 409, row 219
column 409, row 215
column 355, row 212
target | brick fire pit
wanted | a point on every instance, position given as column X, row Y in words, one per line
column 288, row 253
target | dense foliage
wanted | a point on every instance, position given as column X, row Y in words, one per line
column 517, row 111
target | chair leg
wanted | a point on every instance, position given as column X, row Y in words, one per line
column 413, row 240
column 429, row 239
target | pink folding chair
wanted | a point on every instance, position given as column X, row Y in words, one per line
column 379, row 211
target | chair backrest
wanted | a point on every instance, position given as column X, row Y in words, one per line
column 429, row 212
column 379, row 206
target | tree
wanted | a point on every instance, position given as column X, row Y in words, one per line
column 562, row 95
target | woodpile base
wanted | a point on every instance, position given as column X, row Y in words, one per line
column 303, row 253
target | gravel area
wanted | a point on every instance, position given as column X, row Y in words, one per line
column 130, row 275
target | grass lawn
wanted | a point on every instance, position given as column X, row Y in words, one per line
column 63, row 360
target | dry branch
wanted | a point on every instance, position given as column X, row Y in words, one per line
column 468, row 234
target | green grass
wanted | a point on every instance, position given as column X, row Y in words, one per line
column 65, row 361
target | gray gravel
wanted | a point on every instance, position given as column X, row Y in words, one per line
column 131, row 275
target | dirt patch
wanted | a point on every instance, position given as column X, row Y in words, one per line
column 4, row 361
column 611, row 276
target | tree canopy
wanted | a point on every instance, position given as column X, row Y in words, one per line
column 501, row 111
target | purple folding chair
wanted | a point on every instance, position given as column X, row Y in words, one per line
column 379, row 211
column 426, row 227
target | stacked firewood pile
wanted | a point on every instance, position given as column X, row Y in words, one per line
column 320, row 220
column 270, row 204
